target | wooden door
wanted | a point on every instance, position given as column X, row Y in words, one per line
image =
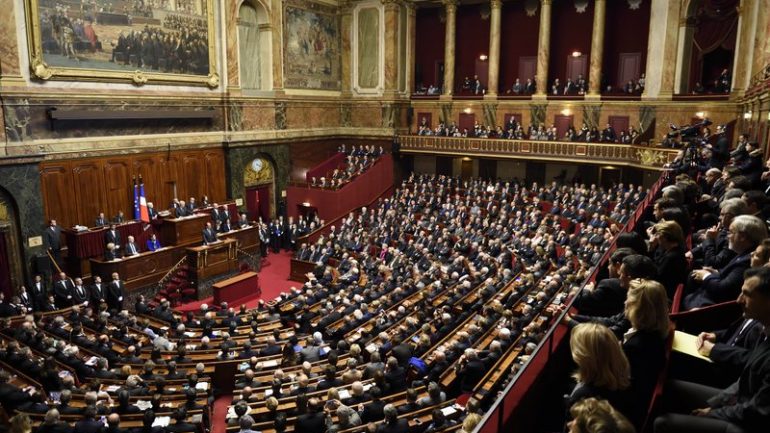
column 618, row 123
column 629, row 68
column 562, row 123
column 466, row 168
column 527, row 68
column 467, row 120
column 576, row 66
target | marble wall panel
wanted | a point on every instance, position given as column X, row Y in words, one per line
column 260, row 116
column 9, row 48
column 368, row 48
column 369, row 116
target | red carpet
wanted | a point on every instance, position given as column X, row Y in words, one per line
column 219, row 413
column 273, row 279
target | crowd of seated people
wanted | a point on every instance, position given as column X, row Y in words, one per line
column 514, row 130
column 357, row 161
column 461, row 285
column 706, row 244
column 631, row 87
column 570, row 87
column 430, row 90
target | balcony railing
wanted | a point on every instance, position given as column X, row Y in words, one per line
column 595, row 153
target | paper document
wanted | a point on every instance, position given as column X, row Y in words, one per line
column 687, row 344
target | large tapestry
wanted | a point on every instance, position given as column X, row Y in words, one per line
column 311, row 41
column 142, row 41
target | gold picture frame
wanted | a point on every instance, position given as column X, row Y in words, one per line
column 146, row 45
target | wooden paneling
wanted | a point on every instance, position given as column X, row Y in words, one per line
column 57, row 186
column 75, row 191
column 89, row 192
column 527, row 68
column 576, row 66
column 629, row 65
column 562, row 123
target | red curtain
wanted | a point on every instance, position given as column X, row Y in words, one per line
column 5, row 268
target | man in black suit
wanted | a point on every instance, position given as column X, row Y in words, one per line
column 38, row 292
column 97, row 292
column 151, row 212
column 720, row 151
column 215, row 214
column 743, row 406
column 131, row 248
column 470, row 369
column 313, row 420
column 191, row 206
column 224, row 214
column 209, row 235
column 181, row 425
column 112, row 236
column 89, row 423
column 62, row 290
column 115, row 293
column 181, row 210
column 52, row 238
column 119, row 218
column 101, row 220
column 79, row 293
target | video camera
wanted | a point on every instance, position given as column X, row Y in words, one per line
column 688, row 131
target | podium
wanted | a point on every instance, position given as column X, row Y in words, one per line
column 300, row 268
column 185, row 230
column 210, row 260
column 140, row 270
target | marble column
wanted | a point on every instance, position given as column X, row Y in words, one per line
column 493, row 81
column 597, row 49
column 543, row 49
column 661, row 49
column 392, row 61
column 684, row 55
column 449, row 47
column 744, row 45
column 346, row 28
column 411, row 34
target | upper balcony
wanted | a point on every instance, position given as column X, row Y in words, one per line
column 632, row 155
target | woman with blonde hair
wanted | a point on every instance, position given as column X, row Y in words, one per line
column 646, row 308
column 21, row 423
column 602, row 368
column 593, row 415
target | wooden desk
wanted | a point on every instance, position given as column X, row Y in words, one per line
column 180, row 231
column 210, row 260
column 235, row 288
column 141, row 270
column 300, row 268
column 248, row 238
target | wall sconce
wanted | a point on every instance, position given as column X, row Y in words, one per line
column 466, row 158
column 467, row 110
column 576, row 54
column 306, row 204
column 566, row 112
column 700, row 115
column 768, row 116
column 483, row 57
column 747, row 115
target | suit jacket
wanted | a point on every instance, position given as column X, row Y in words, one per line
column 605, row 299
column 209, row 236
column 39, row 293
column 672, row 269
column 310, row 422
column 79, row 297
column 100, row 222
column 97, row 293
column 52, row 237
column 745, row 402
column 721, row 287
column 735, row 344
column 646, row 353
column 88, row 426
column 62, row 291
column 115, row 294
column 400, row 426
column 131, row 248
column 112, row 237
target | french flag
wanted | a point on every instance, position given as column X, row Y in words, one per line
column 144, row 214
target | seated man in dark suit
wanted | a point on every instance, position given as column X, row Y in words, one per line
column 180, row 423
column 53, row 423
column 743, row 406
column 745, row 234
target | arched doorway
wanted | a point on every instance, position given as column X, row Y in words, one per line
column 11, row 273
column 708, row 33
column 259, row 186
